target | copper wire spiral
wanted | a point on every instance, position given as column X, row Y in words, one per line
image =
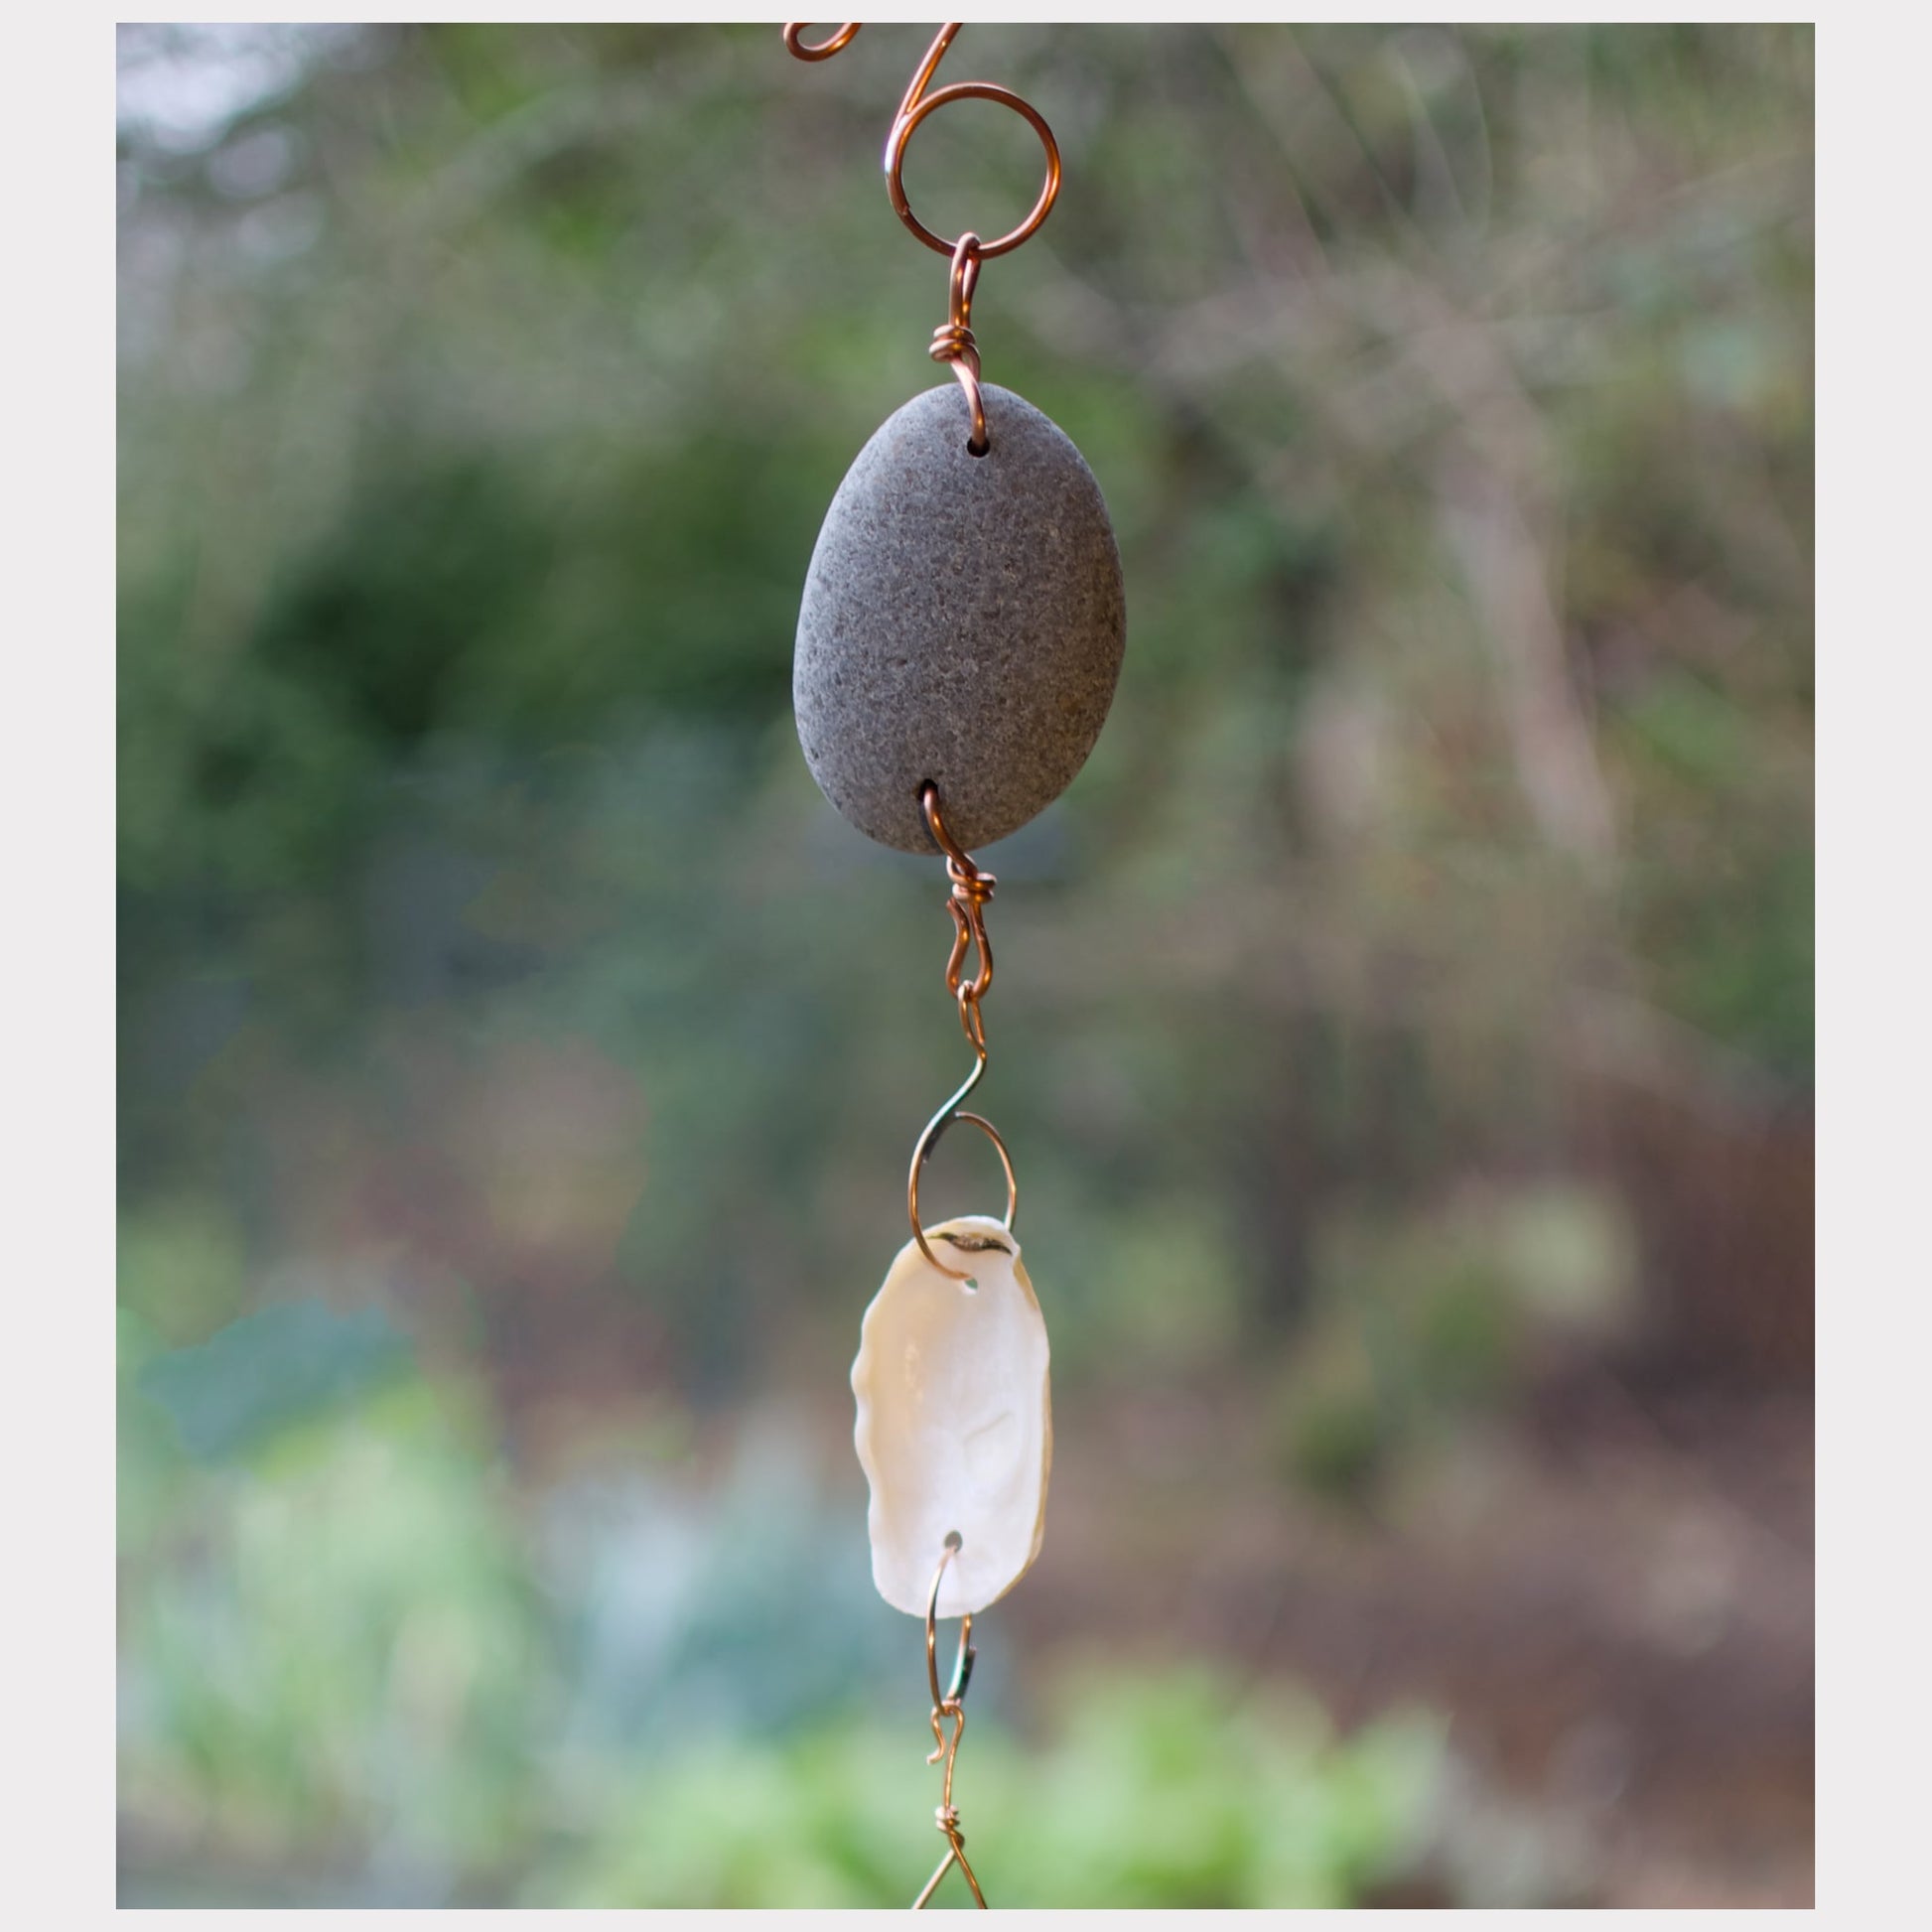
column 952, row 341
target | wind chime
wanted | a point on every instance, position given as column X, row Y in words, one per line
column 959, row 640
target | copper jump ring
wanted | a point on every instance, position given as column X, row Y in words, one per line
column 917, row 105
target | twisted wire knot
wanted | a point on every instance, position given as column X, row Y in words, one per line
column 952, row 345
column 953, row 342
column 971, row 890
column 970, row 885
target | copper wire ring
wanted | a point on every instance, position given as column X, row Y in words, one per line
column 924, row 1152
column 917, row 105
column 971, row 91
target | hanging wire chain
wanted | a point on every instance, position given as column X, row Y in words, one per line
column 952, row 341
column 972, row 888
column 953, row 345
column 952, row 1703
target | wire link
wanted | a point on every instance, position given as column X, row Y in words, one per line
column 972, row 888
column 952, row 341
column 952, row 1703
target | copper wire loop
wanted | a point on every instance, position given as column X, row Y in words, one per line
column 972, row 888
column 824, row 51
column 951, row 1703
column 917, row 105
column 952, row 340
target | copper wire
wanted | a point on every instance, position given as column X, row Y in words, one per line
column 972, row 888
column 972, row 891
column 914, row 108
column 794, row 43
column 952, row 342
column 952, row 1703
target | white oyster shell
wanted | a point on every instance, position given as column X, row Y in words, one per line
column 955, row 1428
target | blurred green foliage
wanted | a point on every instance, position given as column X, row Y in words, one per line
column 1164, row 1790
column 1419, row 1323
column 338, row 1656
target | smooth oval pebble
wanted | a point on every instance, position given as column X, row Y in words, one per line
column 963, row 621
column 955, row 1424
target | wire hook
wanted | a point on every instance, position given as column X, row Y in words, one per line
column 972, row 887
column 914, row 110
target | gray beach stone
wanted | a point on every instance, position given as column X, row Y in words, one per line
column 963, row 621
